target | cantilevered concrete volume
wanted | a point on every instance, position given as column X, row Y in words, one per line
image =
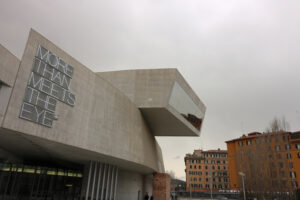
column 66, row 131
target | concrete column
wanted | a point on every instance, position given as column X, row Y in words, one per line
column 161, row 186
column 99, row 181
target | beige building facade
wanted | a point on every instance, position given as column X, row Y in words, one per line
column 75, row 133
column 207, row 171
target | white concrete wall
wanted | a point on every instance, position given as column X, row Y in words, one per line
column 163, row 96
column 9, row 66
column 131, row 185
column 103, row 121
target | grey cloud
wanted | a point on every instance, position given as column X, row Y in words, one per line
column 240, row 57
column 176, row 157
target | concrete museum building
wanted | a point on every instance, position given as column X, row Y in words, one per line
column 67, row 132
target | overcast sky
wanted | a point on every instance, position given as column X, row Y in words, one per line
column 240, row 57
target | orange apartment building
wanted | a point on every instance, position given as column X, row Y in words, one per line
column 270, row 161
column 206, row 170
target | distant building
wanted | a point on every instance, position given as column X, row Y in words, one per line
column 270, row 161
column 206, row 170
column 177, row 185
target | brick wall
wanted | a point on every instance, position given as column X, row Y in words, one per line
column 161, row 186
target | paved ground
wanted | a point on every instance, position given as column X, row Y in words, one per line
column 197, row 199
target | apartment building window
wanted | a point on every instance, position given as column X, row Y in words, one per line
column 199, row 179
column 224, row 161
column 293, row 174
column 287, row 147
column 224, row 167
column 195, row 179
column 297, row 146
column 240, row 143
column 267, row 140
column 195, row 166
column 206, row 173
column 206, row 186
column 277, row 148
column 279, row 156
column 288, row 156
column 285, row 138
column 280, row 165
column 248, row 142
column 206, row 179
column 225, row 180
column 199, row 166
column 220, row 186
column 205, row 167
column 274, row 174
column 269, row 148
column 298, row 154
column 214, row 173
column 294, row 184
column 191, row 179
column 214, row 186
column 191, row 167
column 213, row 167
column 199, row 173
column 274, row 183
column 220, row 179
column 257, row 141
column 291, row 165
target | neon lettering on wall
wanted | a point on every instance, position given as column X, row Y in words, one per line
column 49, row 81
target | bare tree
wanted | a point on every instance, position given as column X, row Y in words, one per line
column 278, row 125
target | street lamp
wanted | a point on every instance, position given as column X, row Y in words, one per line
column 243, row 180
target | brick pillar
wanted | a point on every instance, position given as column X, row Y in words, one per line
column 161, row 186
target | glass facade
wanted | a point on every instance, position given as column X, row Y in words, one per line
column 183, row 104
column 33, row 182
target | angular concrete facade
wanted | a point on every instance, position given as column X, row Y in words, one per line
column 104, row 129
